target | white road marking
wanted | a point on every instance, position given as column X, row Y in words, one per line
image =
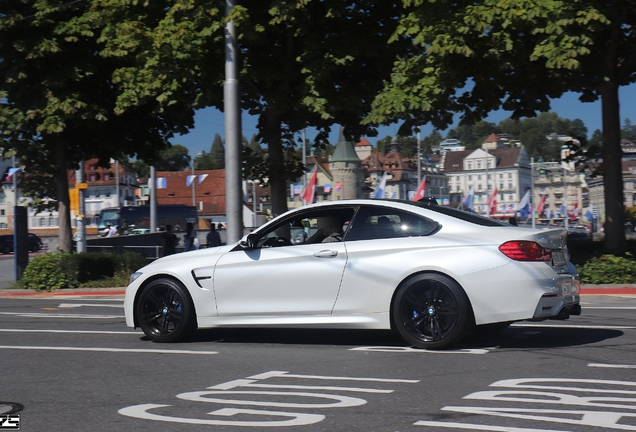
column 118, row 350
column 575, row 326
column 612, row 307
column 391, row 349
column 52, row 315
column 617, row 366
column 76, row 305
column 73, row 331
column 479, row 427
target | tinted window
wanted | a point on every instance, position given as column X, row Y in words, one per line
column 384, row 222
column 459, row 214
column 306, row 227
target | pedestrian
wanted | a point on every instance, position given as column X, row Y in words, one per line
column 169, row 241
column 188, row 240
column 177, row 227
column 219, row 226
column 112, row 230
column 213, row 238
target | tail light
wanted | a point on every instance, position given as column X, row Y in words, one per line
column 522, row 250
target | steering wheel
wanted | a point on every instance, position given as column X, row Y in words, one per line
column 283, row 241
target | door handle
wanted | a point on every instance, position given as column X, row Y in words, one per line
column 326, row 254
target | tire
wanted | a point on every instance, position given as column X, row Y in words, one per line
column 164, row 311
column 6, row 250
column 432, row 311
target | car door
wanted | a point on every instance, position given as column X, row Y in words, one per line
column 279, row 277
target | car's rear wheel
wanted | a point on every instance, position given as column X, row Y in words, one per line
column 6, row 250
column 164, row 311
column 431, row 311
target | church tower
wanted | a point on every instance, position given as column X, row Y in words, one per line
column 346, row 171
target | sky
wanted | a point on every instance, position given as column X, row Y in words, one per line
column 209, row 121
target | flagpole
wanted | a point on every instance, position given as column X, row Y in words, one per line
column 534, row 224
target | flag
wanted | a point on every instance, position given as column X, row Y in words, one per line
column 328, row 188
column 541, row 204
column 11, row 172
column 202, row 177
column 421, row 191
column 492, row 202
column 524, row 205
column 189, row 180
column 162, row 183
column 574, row 213
column 380, row 189
column 310, row 190
column 468, row 202
column 589, row 213
column 563, row 210
column 297, row 189
column 338, row 186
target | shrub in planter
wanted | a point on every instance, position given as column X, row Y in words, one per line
column 51, row 271
column 609, row 269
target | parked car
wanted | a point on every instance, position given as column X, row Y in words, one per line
column 431, row 272
column 139, row 231
column 6, row 243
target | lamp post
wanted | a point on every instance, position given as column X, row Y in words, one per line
column 254, row 183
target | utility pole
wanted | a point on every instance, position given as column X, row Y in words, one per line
column 153, row 199
column 80, row 179
column 304, row 164
column 232, row 108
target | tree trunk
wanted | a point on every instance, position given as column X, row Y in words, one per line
column 612, row 170
column 277, row 180
column 63, row 200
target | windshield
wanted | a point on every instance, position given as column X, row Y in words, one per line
column 108, row 216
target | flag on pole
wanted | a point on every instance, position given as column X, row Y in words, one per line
column 589, row 213
column 468, row 202
column 338, row 186
column 11, row 172
column 421, row 190
column 310, row 190
column 380, row 189
column 328, row 188
column 162, row 183
column 202, row 177
column 574, row 213
column 541, row 204
column 492, row 202
column 189, row 180
column 524, row 205
column 563, row 210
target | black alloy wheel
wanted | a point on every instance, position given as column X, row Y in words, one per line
column 164, row 311
column 432, row 311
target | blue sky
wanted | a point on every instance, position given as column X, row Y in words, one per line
column 209, row 121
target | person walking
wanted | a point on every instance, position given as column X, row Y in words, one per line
column 189, row 238
column 169, row 241
column 213, row 238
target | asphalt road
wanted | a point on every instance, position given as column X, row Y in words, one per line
column 69, row 363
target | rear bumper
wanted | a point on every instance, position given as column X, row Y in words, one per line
column 561, row 303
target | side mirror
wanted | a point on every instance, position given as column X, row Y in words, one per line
column 249, row 241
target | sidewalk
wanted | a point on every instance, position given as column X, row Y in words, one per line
column 608, row 289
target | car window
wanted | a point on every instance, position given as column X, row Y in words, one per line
column 384, row 222
column 307, row 227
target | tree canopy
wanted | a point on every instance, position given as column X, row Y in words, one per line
column 474, row 58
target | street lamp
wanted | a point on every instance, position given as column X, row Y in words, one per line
column 254, row 183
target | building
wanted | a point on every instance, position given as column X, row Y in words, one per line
column 597, row 189
column 494, row 166
column 559, row 187
column 205, row 189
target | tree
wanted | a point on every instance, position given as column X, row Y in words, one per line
column 57, row 100
column 478, row 57
column 217, row 152
column 302, row 64
column 174, row 158
column 628, row 131
column 431, row 140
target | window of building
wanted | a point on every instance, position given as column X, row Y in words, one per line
column 51, row 221
column 42, row 222
column 470, row 177
column 510, row 185
column 91, row 167
column 92, row 177
column 2, row 212
column 470, row 165
column 478, row 165
column 106, row 176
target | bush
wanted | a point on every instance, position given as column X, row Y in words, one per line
column 50, row 271
column 609, row 269
column 67, row 270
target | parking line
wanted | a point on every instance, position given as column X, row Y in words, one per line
column 617, row 366
column 72, row 331
column 575, row 326
column 48, row 315
column 116, row 350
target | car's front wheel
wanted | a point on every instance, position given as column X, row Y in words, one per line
column 164, row 311
column 431, row 311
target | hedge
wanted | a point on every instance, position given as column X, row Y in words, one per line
column 72, row 270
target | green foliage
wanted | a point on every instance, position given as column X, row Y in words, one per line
column 174, row 158
column 609, row 269
column 49, row 272
column 66, row 270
